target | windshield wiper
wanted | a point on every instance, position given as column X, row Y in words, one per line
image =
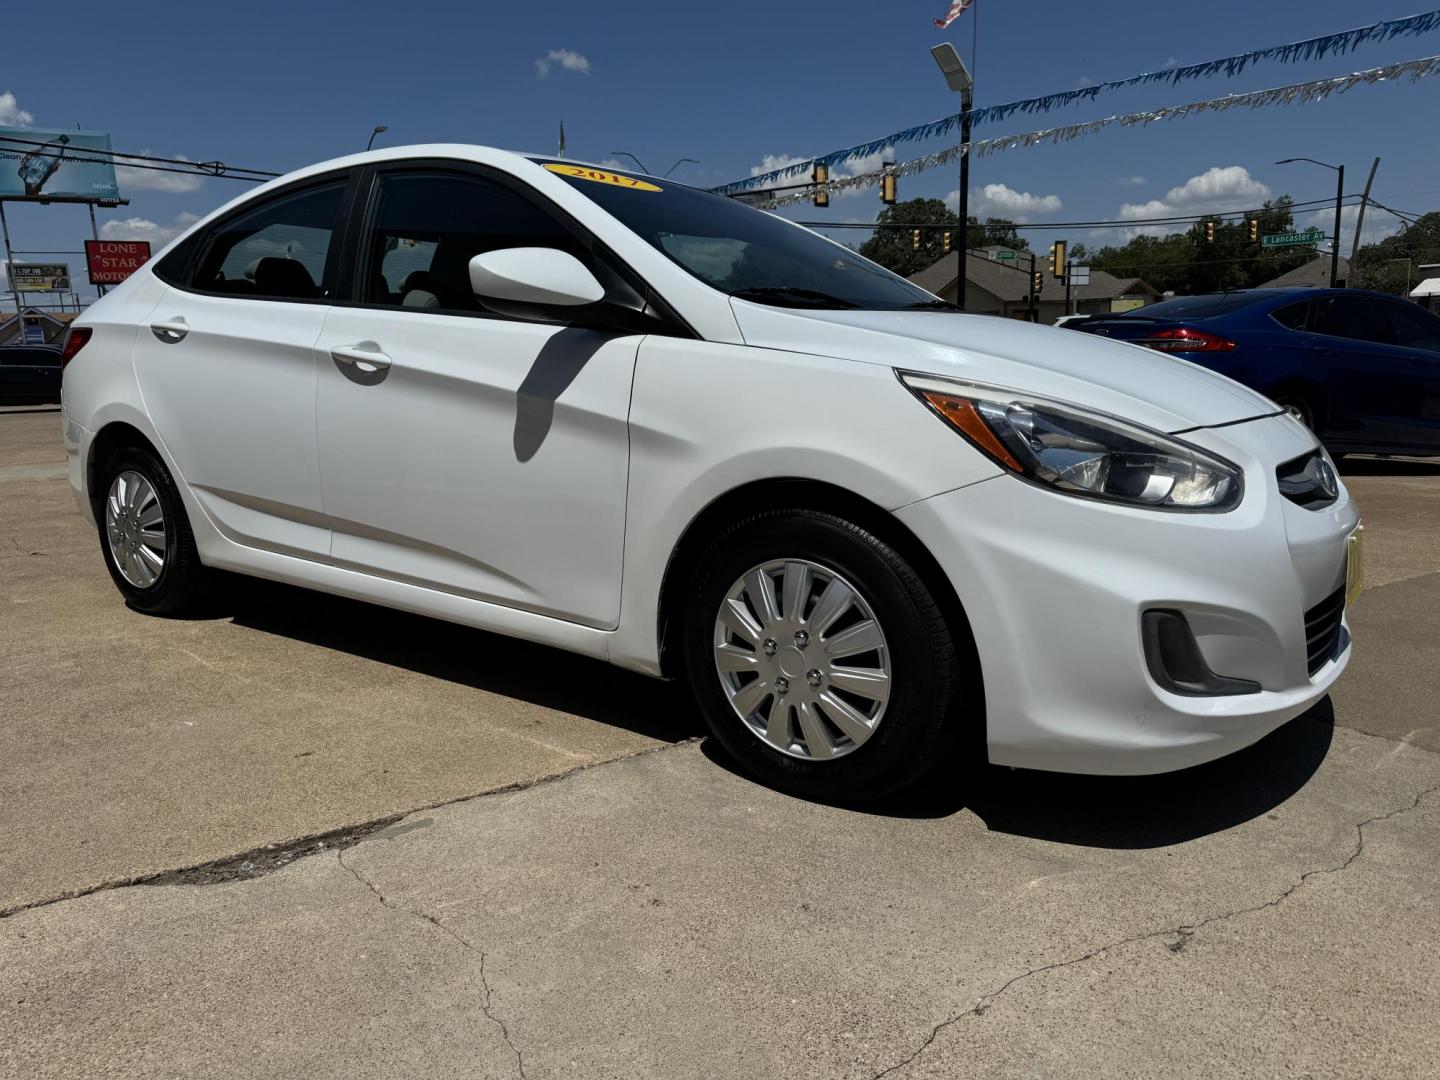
column 787, row 296
column 932, row 305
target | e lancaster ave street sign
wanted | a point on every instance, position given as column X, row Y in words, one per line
column 1287, row 239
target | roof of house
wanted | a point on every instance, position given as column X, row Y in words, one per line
column 1314, row 274
column 1009, row 280
column 57, row 320
column 1428, row 287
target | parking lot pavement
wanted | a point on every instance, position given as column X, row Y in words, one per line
column 1272, row 914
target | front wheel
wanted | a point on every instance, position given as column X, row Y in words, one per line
column 145, row 535
column 819, row 657
column 1298, row 406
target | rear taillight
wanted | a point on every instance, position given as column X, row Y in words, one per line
column 1184, row 339
column 74, row 341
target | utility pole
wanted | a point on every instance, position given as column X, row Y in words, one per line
column 1032, row 300
column 958, row 78
column 1360, row 217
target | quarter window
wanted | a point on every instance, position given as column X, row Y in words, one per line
column 280, row 250
column 427, row 226
column 1292, row 317
column 1348, row 317
column 1413, row 327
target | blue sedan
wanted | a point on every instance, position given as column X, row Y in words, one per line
column 1360, row 369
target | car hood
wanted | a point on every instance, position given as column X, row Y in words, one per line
column 1161, row 392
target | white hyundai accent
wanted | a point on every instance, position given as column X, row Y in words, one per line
column 638, row 421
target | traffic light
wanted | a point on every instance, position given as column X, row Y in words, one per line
column 915, row 240
column 945, row 243
column 1254, row 229
column 1209, row 232
column 1037, row 281
column 820, row 176
column 1057, row 258
column 887, row 184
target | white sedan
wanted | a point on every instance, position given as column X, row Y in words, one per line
column 641, row 422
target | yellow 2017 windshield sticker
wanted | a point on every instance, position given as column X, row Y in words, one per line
column 600, row 176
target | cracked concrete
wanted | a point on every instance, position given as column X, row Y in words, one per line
column 485, row 1003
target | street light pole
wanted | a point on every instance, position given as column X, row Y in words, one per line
column 1339, row 200
column 958, row 78
column 632, row 157
column 380, row 129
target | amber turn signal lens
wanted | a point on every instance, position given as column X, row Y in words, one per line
column 962, row 415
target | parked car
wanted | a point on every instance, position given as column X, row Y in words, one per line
column 1360, row 369
column 29, row 374
column 649, row 424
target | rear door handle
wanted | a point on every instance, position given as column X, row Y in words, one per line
column 171, row 330
column 368, row 360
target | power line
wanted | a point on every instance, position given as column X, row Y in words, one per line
column 158, row 164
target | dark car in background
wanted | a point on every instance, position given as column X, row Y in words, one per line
column 1361, row 369
column 29, row 374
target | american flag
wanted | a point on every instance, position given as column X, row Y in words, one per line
column 957, row 9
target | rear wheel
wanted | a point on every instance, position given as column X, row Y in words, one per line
column 145, row 535
column 819, row 657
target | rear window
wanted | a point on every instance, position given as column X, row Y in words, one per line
column 1199, row 307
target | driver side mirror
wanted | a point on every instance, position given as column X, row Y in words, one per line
column 534, row 275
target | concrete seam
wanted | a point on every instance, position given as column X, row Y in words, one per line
column 485, row 1002
column 1182, row 933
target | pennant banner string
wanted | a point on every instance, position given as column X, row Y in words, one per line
column 1310, row 49
column 1296, row 94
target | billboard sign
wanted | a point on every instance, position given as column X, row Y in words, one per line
column 40, row 164
column 112, row 261
column 39, row 277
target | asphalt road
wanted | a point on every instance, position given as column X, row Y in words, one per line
column 370, row 845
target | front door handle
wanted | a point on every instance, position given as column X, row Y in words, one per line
column 365, row 357
column 171, row 330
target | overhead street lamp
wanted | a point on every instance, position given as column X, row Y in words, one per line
column 682, row 161
column 632, row 157
column 958, row 78
column 1339, row 198
column 380, row 129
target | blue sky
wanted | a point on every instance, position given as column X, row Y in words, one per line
column 281, row 85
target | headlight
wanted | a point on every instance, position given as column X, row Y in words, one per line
column 1080, row 452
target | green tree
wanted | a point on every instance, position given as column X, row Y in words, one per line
column 894, row 248
column 1393, row 265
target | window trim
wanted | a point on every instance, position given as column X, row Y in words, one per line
column 181, row 276
column 366, row 204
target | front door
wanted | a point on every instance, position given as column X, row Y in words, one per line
column 226, row 364
column 461, row 449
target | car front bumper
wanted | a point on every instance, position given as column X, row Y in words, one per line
column 1055, row 588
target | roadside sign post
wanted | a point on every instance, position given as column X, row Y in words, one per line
column 110, row 262
column 1292, row 239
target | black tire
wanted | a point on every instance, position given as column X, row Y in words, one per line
column 1298, row 405
column 919, row 727
column 183, row 580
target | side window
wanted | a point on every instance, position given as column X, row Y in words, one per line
column 1348, row 317
column 428, row 225
column 1292, row 316
column 1414, row 327
column 280, row 250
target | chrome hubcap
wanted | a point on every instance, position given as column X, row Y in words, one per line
column 802, row 659
column 135, row 528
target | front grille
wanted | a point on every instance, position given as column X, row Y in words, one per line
column 1308, row 481
column 1322, row 630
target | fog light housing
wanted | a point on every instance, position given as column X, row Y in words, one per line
column 1173, row 656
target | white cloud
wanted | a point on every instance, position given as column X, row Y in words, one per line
column 10, row 112
column 136, row 179
column 1133, row 181
column 611, row 163
column 1378, row 225
column 1216, row 190
column 138, row 228
column 567, row 59
column 999, row 200
column 1084, row 81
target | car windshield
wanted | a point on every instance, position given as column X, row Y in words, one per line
column 1198, row 307
column 750, row 254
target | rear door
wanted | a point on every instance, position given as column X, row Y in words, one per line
column 1374, row 388
column 29, row 373
column 226, row 364
column 464, row 448
column 1416, row 333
